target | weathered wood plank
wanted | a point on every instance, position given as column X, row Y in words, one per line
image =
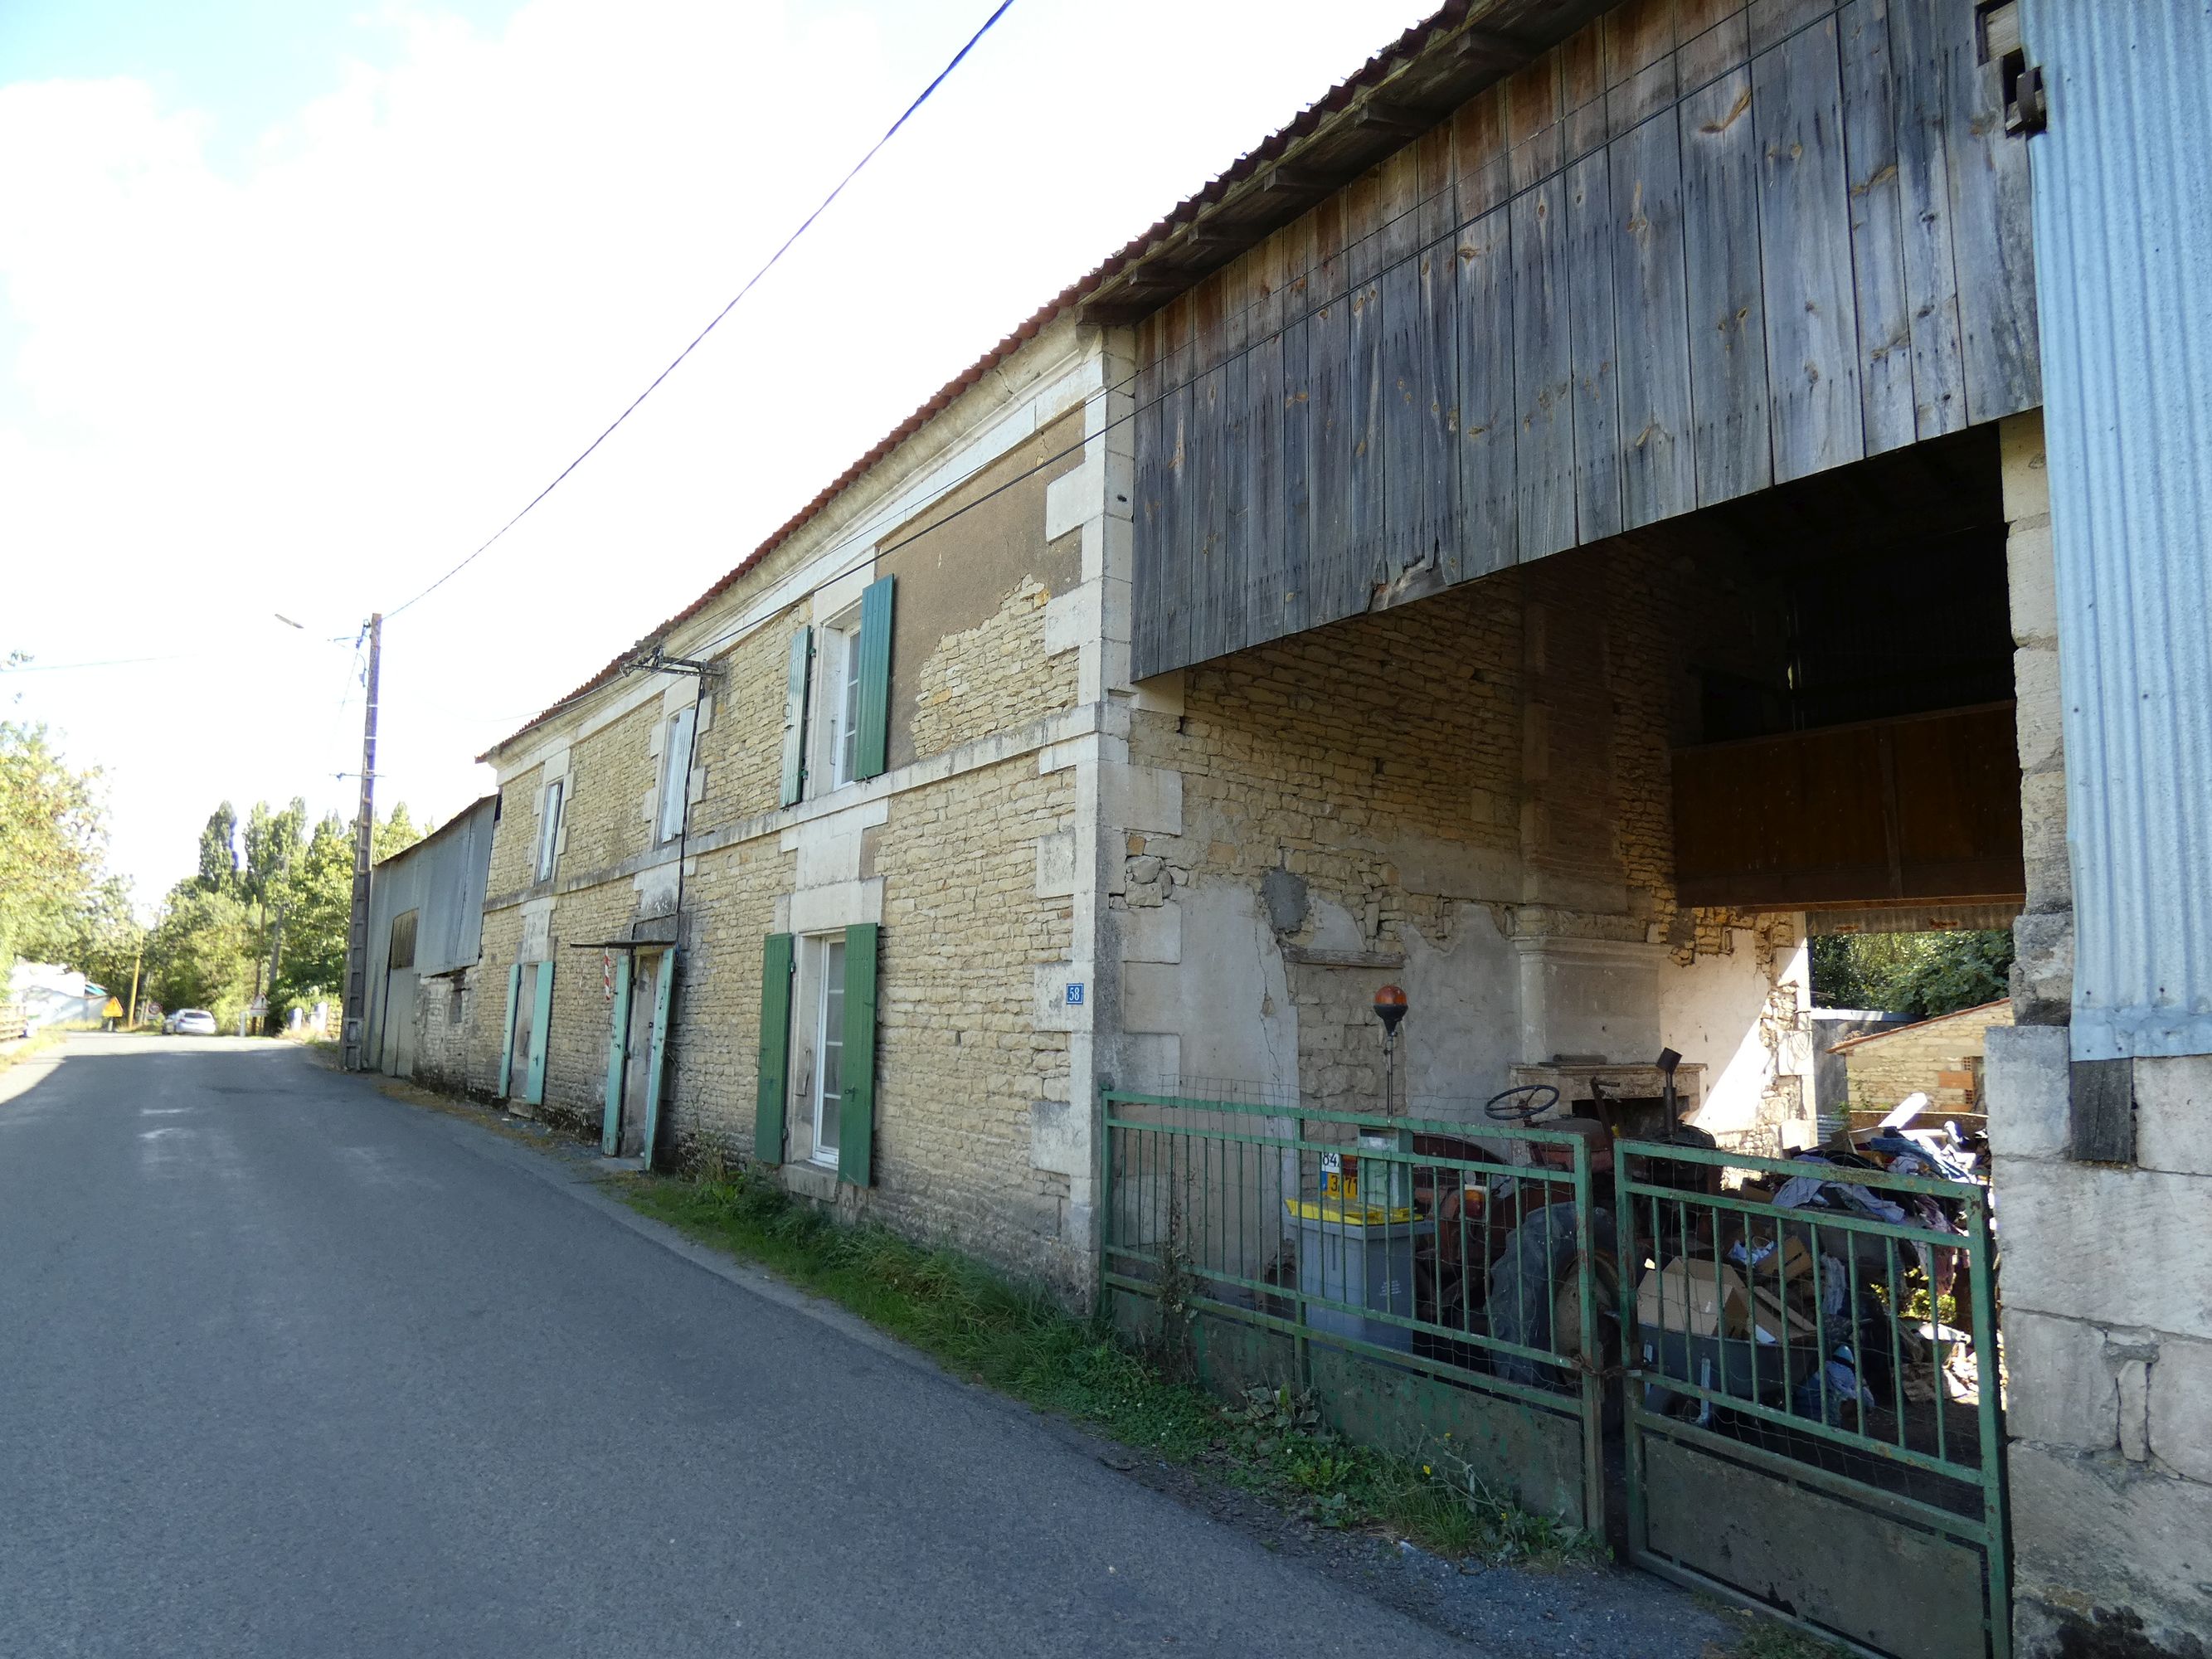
column 1328, row 348
column 1638, row 35
column 1419, row 465
column 1805, row 242
column 1594, row 349
column 1203, row 446
column 1297, row 443
column 1420, row 385
column 1488, row 423
column 1232, row 627
column 1543, row 373
column 1148, row 646
column 1438, row 215
column 1885, row 322
column 1728, row 326
column 1772, row 22
column 1931, row 289
column 1265, row 579
column 1368, row 501
column 1992, row 246
column 1582, row 92
column 1713, row 37
column 1651, row 313
column 1181, row 509
column 1640, row 63
column 1532, row 123
column 1479, row 154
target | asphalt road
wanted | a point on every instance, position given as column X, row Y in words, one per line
column 290, row 1368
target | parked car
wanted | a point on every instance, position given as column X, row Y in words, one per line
column 192, row 1022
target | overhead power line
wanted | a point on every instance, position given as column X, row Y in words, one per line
column 751, row 282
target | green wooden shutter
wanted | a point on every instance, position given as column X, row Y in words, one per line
column 535, row 1094
column 774, row 1049
column 794, row 718
column 871, row 737
column 617, row 1057
column 506, row 1043
column 856, row 1075
column 657, row 1062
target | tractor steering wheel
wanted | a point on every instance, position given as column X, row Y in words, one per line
column 1521, row 1105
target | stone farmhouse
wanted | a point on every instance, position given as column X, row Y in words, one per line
column 1609, row 492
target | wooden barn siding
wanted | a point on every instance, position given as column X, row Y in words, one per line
column 1702, row 247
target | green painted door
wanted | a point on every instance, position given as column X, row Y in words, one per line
column 775, row 1049
column 617, row 1055
column 657, row 1068
column 871, row 737
column 792, row 784
column 856, row 1076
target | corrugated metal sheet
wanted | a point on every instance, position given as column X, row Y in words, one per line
column 441, row 879
column 2122, row 249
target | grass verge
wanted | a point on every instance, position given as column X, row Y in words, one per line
column 30, row 1048
column 1022, row 1343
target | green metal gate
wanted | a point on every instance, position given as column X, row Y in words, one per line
column 1443, row 1289
column 1813, row 1402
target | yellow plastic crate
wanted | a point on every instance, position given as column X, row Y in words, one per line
column 1349, row 1215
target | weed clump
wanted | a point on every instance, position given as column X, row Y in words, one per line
column 1016, row 1339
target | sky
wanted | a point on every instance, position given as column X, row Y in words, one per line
column 300, row 301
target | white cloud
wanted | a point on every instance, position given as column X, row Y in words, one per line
column 310, row 382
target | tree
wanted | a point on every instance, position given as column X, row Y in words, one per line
column 1918, row 973
column 97, row 935
column 219, row 851
column 201, row 954
column 318, row 910
column 53, row 835
column 272, row 840
column 396, row 834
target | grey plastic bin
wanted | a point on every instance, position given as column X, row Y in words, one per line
column 1368, row 1263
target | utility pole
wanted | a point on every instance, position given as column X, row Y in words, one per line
column 137, row 958
column 364, row 832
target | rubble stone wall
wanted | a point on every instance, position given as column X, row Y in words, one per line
column 964, row 1058
column 1467, row 796
column 488, row 1009
column 444, row 1008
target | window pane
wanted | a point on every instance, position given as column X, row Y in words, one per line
column 549, row 831
column 849, row 704
column 832, row 1044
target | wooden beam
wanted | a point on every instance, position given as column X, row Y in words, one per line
column 1385, row 118
column 1481, row 49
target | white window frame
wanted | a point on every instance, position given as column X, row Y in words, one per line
column 676, row 746
column 825, row 1017
column 550, row 805
column 838, row 696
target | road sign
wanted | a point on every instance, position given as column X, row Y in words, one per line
column 257, row 1007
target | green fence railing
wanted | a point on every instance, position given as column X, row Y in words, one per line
column 1813, row 1404
column 1424, row 1277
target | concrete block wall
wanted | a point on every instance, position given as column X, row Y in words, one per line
column 2107, row 1266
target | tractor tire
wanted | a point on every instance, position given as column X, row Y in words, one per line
column 1538, row 1263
